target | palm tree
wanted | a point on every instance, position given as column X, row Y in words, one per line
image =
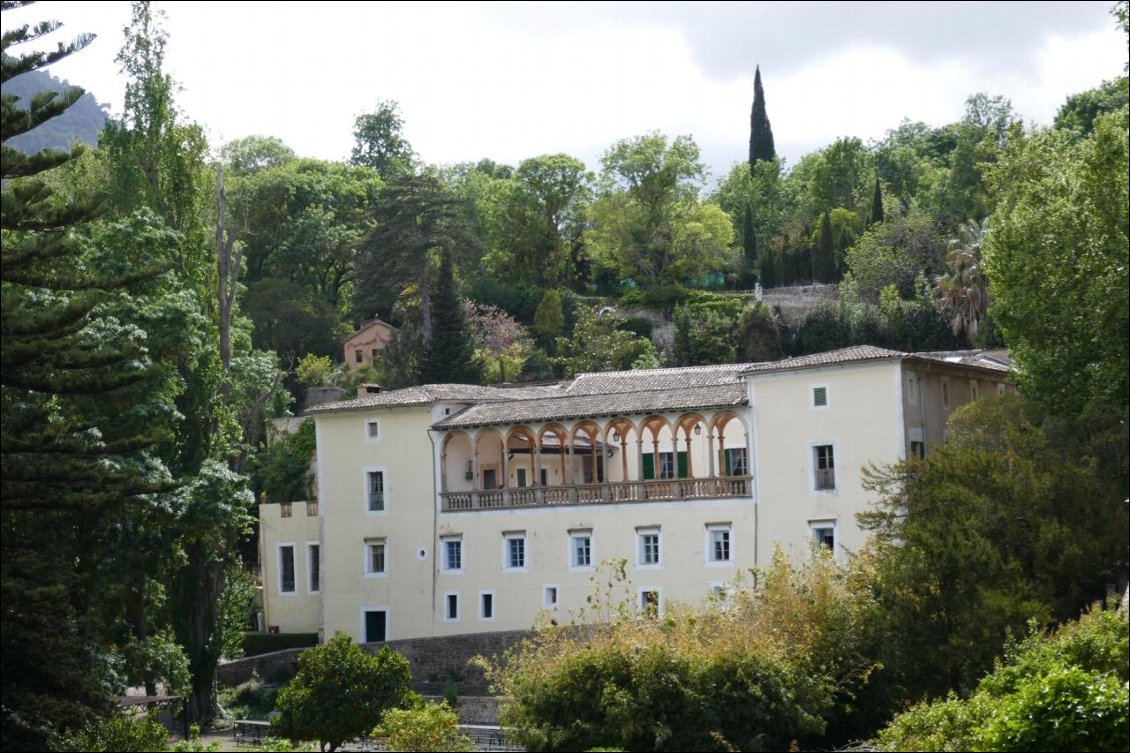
column 964, row 289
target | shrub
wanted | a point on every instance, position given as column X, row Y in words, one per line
column 122, row 732
column 425, row 727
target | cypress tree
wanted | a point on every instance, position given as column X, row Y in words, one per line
column 877, row 204
column 448, row 358
column 749, row 244
column 826, row 252
column 760, row 133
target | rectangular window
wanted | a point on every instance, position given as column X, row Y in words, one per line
column 286, row 568
column 820, row 397
column 375, row 556
column 1000, row 388
column 520, row 475
column 737, row 462
column 373, row 430
column 544, row 477
column 824, row 534
column 514, row 551
column 285, row 509
column 314, row 567
column 719, row 543
column 549, row 597
column 667, row 467
column 647, row 547
column 486, row 606
column 580, row 549
column 974, row 390
column 375, row 352
column 649, row 603
column 376, row 625
column 453, row 554
column 451, row 607
column 358, row 356
column 945, row 392
column 912, row 390
column 824, row 465
column 918, row 449
column 376, row 491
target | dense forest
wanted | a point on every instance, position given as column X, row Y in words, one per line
column 160, row 305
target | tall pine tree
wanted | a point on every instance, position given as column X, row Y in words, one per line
column 448, row 356
column 760, row 133
column 83, row 411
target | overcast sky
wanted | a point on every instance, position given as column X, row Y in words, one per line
column 514, row 80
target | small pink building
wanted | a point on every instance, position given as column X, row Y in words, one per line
column 363, row 345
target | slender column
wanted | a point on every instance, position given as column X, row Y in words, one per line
column 624, row 455
column 443, row 471
column 690, row 455
column 710, row 454
column 504, row 482
column 639, row 456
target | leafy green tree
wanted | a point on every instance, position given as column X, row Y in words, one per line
column 253, row 153
column 1056, row 259
column 1078, row 113
column 840, row 175
column 896, row 252
column 534, row 220
column 501, row 344
column 379, row 142
column 598, row 344
column 704, row 336
column 760, row 133
column 341, row 692
column 449, row 357
column 648, row 222
column 1064, row 691
column 1005, row 523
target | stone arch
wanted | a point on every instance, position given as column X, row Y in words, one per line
column 695, row 430
column 556, row 470
column 589, row 469
column 457, row 462
column 521, row 446
column 490, row 460
column 730, row 432
column 621, row 438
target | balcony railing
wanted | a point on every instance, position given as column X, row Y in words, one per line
column 595, row 494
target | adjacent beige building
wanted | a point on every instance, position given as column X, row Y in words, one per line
column 448, row 509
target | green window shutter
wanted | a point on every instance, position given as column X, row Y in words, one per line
column 648, row 465
column 682, row 465
column 729, row 462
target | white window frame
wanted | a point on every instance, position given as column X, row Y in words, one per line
column 365, row 500
column 819, row 525
column 445, row 561
column 293, row 563
column 369, row 424
column 642, row 534
column 946, row 400
column 507, row 537
column 641, row 599
column 367, row 567
column 458, row 606
column 547, row 590
column 827, row 396
column 913, row 387
column 571, row 555
column 311, row 570
column 744, row 455
column 708, row 547
column 813, row 466
column 493, row 606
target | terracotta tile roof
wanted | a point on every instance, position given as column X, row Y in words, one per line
column 605, row 404
column 997, row 360
column 435, row 393
column 685, row 377
column 854, row 354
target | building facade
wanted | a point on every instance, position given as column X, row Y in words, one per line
column 449, row 509
column 363, row 346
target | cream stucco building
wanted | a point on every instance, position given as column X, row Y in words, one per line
column 448, row 509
